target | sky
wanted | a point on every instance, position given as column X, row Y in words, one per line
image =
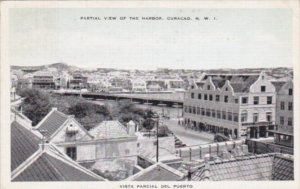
column 237, row 38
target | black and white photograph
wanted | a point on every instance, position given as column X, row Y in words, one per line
column 149, row 93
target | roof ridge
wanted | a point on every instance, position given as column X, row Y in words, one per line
column 53, row 166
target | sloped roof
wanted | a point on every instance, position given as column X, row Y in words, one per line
column 108, row 130
column 50, row 168
column 30, row 162
column 157, row 172
column 243, row 85
column 258, row 167
column 52, row 122
column 278, row 84
column 23, row 144
column 283, row 168
column 239, row 83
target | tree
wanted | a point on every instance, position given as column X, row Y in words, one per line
column 163, row 131
column 148, row 124
column 36, row 104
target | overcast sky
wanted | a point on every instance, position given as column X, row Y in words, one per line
column 236, row 39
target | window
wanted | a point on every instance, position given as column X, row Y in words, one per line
column 127, row 151
column 256, row 100
column 269, row 116
column 269, row 100
column 255, row 117
column 229, row 116
column 210, row 97
column 223, row 115
column 72, row 152
column 202, row 111
column 190, row 109
column 205, row 96
column 208, row 87
column 263, row 88
column 290, row 107
column 213, row 113
column 236, row 100
column 290, row 121
column 244, row 117
column 192, row 87
column 244, row 100
column 138, row 145
column 290, row 91
column 208, row 112
column 226, row 99
column 199, row 96
column 192, row 95
column 235, row 117
column 185, row 109
column 217, row 98
column 281, row 120
column 226, row 89
column 194, row 110
column 282, row 105
column 219, row 114
column 198, row 110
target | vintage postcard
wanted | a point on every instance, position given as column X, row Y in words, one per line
column 173, row 94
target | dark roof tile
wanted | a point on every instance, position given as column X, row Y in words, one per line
column 23, row 144
column 49, row 168
column 53, row 122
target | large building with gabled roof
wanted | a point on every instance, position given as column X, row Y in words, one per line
column 235, row 105
column 34, row 159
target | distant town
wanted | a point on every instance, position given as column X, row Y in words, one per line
column 105, row 124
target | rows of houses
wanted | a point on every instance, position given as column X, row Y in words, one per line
column 96, row 81
column 241, row 105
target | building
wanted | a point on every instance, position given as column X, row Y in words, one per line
column 237, row 105
column 44, row 80
column 109, row 143
column 78, row 81
column 33, row 159
column 139, row 85
column 284, row 133
column 249, row 168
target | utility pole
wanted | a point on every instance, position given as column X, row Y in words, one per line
column 157, row 147
column 155, row 116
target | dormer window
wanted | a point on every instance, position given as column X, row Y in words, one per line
column 226, row 89
column 71, row 130
column 208, row 87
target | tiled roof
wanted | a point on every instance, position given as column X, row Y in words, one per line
column 239, row 83
column 243, row 84
column 278, row 85
column 49, row 168
column 283, row 168
column 258, row 167
column 157, row 172
column 23, row 144
column 109, row 129
column 52, row 122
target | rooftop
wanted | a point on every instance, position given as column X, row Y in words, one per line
column 109, row 130
column 256, row 167
column 52, row 122
column 157, row 172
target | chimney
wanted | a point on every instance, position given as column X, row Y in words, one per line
column 131, row 128
column 207, row 167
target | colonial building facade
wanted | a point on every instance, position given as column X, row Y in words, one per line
column 284, row 114
column 236, row 105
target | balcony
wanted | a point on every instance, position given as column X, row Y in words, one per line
column 261, row 123
column 285, row 129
